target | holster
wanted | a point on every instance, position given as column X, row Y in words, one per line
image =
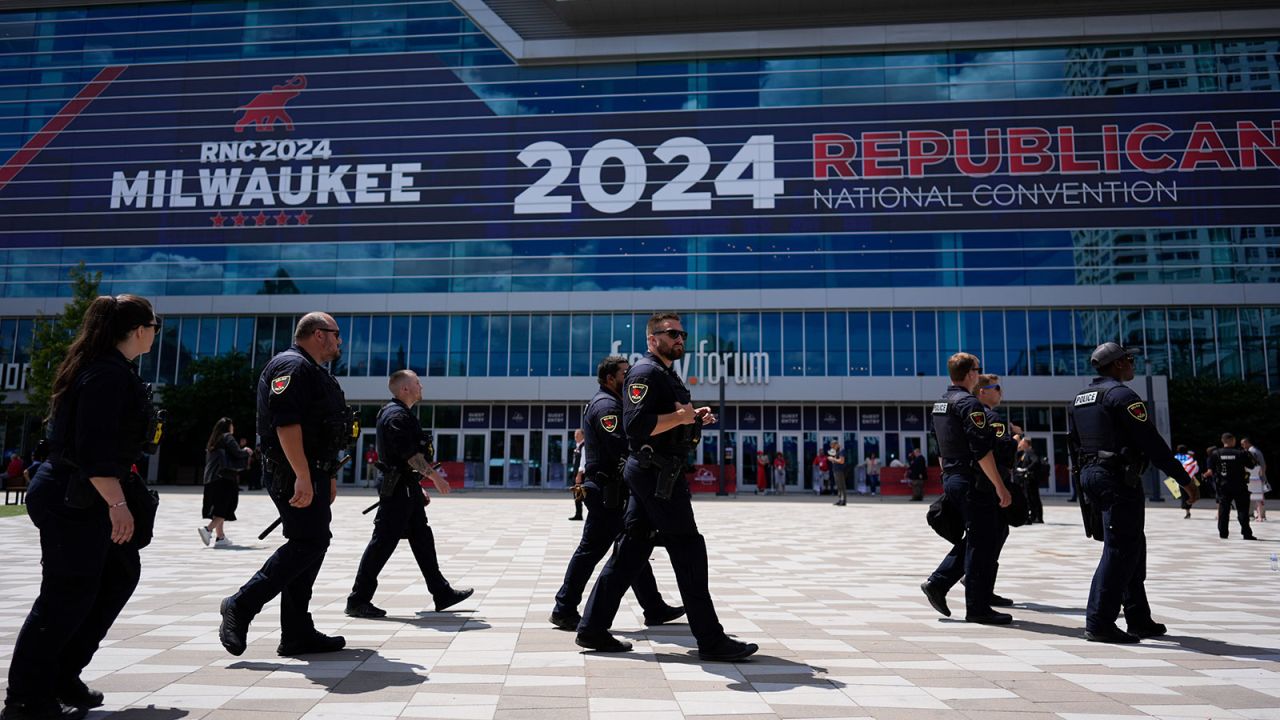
column 612, row 490
column 390, row 479
column 282, row 477
column 669, row 469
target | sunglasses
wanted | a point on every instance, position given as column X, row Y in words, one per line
column 990, row 387
column 336, row 332
column 153, row 324
column 673, row 334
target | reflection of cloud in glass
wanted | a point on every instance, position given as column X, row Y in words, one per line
column 171, row 267
column 780, row 75
column 499, row 101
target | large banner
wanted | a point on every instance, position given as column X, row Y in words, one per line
column 396, row 147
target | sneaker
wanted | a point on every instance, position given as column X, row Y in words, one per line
column 79, row 695
column 365, row 609
column 566, row 621
column 232, row 632
column 728, row 650
column 602, row 642
column 317, row 642
column 937, row 598
column 206, row 537
column 1111, row 634
column 453, row 597
column 665, row 615
column 576, row 517
column 46, row 711
column 222, row 542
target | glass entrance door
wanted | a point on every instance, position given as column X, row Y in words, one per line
column 749, row 471
column 517, row 459
column 473, row 459
column 555, row 459
column 789, row 446
column 363, row 471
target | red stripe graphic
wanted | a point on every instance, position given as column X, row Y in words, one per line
column 58, row 123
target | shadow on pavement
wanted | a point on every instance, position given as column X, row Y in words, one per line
column 1188, row 643
column 151, row 712
column 364, row 677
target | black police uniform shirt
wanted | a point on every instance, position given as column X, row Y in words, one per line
column 964, row 434
column 652, row 389
column 102, row 422
column 1231, row 465
column 399, row 436
column 1109, row 415
column 295, row 390
column 605, row 441
column 1005, row 448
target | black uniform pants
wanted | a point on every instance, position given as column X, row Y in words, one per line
column 1119, row 581
column 673, row 520
column 1035, row 508
column 977, row 555
column 400, row 516
column 291, row 570
column 1233, row 494
column 599, row 533
column 85, row 582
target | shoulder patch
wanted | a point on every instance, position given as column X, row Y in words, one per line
column 637, row 391
column 979, row 419
column 1087, row 398
column 940, row 408
column 280, row 384
column 609, row 423
column 999, row 427
column 1139, row 411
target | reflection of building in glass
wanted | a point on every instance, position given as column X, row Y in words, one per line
column 1187, row 255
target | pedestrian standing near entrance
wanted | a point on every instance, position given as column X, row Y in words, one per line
column 1029, row 469
column 1113, row 439
column 405, row 453
column 606, row 498
column 917, row 471
column 576, row 464
column 1258, row 484
column 303, row 422
column 839, row 471
column 1230, row 466
column 872, row 465
column 224, row 460
column 972, row 484
column 99, row 418
column 662, row 427
column 762, row 473
column 1188, row 460
column 780, row 473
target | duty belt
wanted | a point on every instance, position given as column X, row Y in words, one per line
column 648, row 458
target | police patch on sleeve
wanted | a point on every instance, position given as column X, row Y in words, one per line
column 999, row 428
column 978, row 419
column 280, row 384
column 609, row 423
column 637, row 391
column 1139, row 411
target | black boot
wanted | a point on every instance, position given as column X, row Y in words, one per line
column 448, row 599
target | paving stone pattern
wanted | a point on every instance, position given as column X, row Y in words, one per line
column 830, row 594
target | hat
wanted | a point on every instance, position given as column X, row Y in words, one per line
column 1109, row 352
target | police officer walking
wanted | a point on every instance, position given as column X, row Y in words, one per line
column 303, row 422
column 1113, row 439
column 972, row 483
column 991, row 394
column 89, row 532
column 662, row 426
column 605, row 451
column 1230, row 466
column 404, row 456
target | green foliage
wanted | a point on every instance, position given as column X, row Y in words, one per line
column 1201, row 409
column 223, row 385
column 53, row 335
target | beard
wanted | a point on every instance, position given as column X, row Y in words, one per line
column 675, row 353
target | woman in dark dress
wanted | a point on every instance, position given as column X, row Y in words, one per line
column 223, row 461
column 100, row 423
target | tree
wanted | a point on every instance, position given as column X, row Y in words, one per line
column 52, row 337
column 222, row 385
column 1203, row 408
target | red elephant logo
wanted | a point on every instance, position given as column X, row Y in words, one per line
column 267, row 109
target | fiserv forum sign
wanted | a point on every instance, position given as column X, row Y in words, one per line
column 397, row 147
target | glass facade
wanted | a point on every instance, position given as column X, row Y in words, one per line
column 1235, row 343
column 47, row 57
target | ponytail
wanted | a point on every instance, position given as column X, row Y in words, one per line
column 107, row 322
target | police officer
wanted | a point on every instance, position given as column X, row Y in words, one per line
column 1230, row 465
column 1113, row 438
column 991, row 394
column 605, row 450
column 973, row 484
column 89, row 552
column 661, row 426
column 404, row 456
column 303, row 422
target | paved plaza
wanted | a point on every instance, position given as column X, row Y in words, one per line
column 830, row 594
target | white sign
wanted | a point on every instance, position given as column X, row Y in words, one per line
column 13, row 376
column 710, row 368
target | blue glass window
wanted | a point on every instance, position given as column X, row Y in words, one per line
column 520, row 363
column 226, row 335
column 859, row 344
column 458, row 328
column 440, row 336
column 601, row 339
column 380, row 346
column 1206, row 353
column 8, row 339
column 904, row 339
column 881, row 344
column 208, row 343
column 993, row 357
column 971, row 333
column 263, row 341
column 1228, row 346
column 1271, row 332
column 580, row 362
column 1181, row 351
column 793, row 344
column 188, row 337
column 623, row 331
column 541, row 340
column 1015, row 327
column 478, row 365
column 926, row 332
column 771, row 339
column 1252, row 350
column 749, row 331
column 356, row 346
column 398, row 345
column 727, row 329
column 499, row 347
column 561, row 341
column 1131, row 336
column 949, row 338
column 1156, row 356
column 419, row 343
column 837, row 343
column 815, row 351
